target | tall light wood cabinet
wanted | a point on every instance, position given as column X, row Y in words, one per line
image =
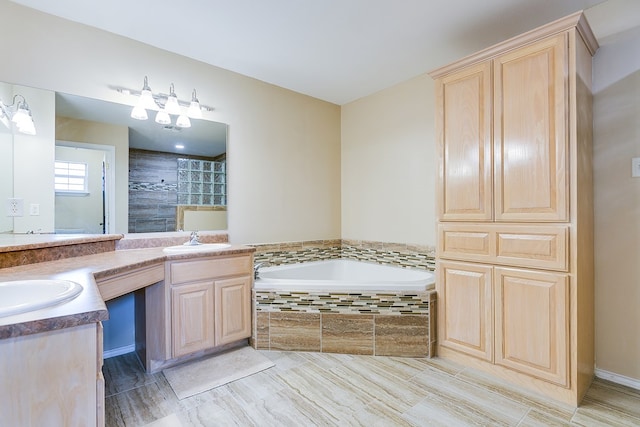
column 515, row 232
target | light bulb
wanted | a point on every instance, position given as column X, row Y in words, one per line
column 163, row 117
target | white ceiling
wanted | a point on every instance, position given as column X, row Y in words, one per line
column 335, row 50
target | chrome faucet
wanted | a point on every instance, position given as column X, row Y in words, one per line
column 194, row 239
column 256, row 273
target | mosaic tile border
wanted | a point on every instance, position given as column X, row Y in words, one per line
column 344, row 303
column 396, row 254
column 152, row 186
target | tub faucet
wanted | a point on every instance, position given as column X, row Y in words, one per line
column 194, row 239
column 256, row 273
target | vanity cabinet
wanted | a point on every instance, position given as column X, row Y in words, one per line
column 210, row 302
column 53, row 378
column 514, row 269
column 192, row 320
column 232, row 309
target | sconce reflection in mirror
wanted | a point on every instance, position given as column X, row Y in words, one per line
column 166, row 105
column 19, row 114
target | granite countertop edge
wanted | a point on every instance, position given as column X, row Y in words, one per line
column 14, row 243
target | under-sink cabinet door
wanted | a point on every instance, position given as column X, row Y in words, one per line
column 532, row 323
column 192, row 317
column 465, row 321
column 233, row 309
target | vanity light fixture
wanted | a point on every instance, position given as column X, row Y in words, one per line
column 165, row 105
column 20, row 115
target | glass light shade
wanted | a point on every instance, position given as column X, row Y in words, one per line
column 139, row 113
column 146, row 100
column 183, row 121
column 27, row 127
column 21, row 116
column 172, row 106
column 194, row 110
column 163, row 117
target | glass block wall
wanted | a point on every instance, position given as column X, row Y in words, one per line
column 202, row 182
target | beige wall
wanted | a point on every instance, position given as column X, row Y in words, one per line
column 617, row 203
column 388, row 165
column 6, row 160
column 88, row 132
column 33, row 164
column 284, row 147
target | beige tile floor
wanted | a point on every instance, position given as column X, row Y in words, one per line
column 320, row 389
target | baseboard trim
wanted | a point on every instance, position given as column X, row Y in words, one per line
column 118, row 351
column 618, row 379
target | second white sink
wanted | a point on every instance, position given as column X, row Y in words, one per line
column 204, row 247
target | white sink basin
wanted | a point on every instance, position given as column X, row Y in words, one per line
column 21, row 296
column 186, row 249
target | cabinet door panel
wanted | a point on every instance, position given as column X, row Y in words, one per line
column 532, row 323
column 533, row 246
column 464, row 133
column 465, row 318
column 233, row 309
column 530, row 133
column 192, row 318
column 468, row 242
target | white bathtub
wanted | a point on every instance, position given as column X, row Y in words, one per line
column 343, row 275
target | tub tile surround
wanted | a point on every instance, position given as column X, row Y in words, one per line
column 373, row 335
column 372, row 323
column 397, row 254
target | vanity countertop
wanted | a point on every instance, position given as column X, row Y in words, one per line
column 88, row 307
column 21, row 242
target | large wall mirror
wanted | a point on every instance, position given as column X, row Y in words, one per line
column 171, row 178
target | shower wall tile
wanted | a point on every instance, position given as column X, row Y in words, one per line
column 153, row 191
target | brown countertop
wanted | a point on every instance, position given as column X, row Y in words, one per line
column 89, row 306
column 22, row 242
